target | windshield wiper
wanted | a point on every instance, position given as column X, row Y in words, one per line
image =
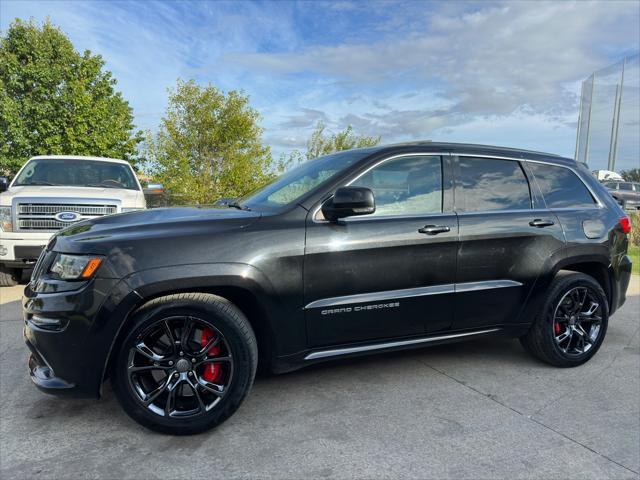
column 38, row 183
column 101, row 185
column 238, row 206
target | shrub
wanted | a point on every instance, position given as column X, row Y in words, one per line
column 635, row 228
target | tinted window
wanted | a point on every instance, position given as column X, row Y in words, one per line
column 611, row 185
column 405, row 186
column 493, row 185
column 626, row 186
column 561, row 187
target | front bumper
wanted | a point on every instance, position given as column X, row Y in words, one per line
column 19, row 249
column 70, row 334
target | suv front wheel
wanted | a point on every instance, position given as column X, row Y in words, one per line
column 186, row 364
column 572, row 324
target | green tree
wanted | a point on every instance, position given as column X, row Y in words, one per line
column 631, row 175
column 321, row 143
column 208, row 145
column 53, row 100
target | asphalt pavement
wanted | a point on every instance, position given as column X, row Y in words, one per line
column 480, row 409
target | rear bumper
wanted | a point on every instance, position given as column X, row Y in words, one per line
column 621, row 278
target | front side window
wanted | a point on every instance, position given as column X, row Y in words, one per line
column 409, row 185
column 77, row 173
column 490, row 184
column 561, row 187
column 626, row 186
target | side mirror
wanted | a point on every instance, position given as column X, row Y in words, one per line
column 4, row 184
column 153, row 189
column 348, row 202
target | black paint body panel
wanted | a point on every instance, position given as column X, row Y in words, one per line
column 276, row 264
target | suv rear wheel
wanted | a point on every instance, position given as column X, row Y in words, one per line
column 187, row 363
column 572, row 324
column 9, row 277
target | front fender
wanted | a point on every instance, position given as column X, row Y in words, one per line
column 140, row 287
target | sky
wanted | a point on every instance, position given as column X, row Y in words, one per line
column 502, row 73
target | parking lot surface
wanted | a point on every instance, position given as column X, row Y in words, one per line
column 481, row 409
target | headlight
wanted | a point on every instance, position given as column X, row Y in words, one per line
column 131, row 209
column 5, row 219
column 75, row 267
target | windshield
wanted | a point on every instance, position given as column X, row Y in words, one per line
column 77, row 173
column 301, row 179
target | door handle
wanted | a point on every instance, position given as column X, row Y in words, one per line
column 434, row 229
column 538, row 222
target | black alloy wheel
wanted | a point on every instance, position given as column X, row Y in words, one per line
column 185, row 363
column 572, row 324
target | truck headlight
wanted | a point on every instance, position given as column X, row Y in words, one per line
column 75, row 267
column 5, row 219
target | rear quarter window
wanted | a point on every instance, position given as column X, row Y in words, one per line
column 561, row 187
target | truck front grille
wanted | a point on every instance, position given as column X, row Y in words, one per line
column 41, row 216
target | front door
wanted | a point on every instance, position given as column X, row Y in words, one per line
column 391, row 273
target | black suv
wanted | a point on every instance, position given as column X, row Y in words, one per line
column 358, row 252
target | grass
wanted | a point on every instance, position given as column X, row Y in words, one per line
column 634, row 252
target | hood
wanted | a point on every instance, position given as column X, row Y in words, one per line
column 168, row 224
column 126, row 196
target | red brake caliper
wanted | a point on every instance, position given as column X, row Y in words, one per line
column 556, row 328
column 212, row 371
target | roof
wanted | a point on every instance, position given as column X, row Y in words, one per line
column 79, row 157
column 469, row 148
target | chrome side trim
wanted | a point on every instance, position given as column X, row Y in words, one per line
column 401, row 343
column 411, row 292
column 382, row 296
column 486, row 285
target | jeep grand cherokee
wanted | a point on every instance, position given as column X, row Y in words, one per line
column 361, row 251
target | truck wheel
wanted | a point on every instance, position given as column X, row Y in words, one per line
column 572, row 323
column 186, row 364
column 9, row 277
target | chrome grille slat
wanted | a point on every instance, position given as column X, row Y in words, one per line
column 52, row 209
column 40, row 216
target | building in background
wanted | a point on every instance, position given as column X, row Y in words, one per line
column 608, row 135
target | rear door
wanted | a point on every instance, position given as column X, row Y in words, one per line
column 507, row 237
column 389, row 274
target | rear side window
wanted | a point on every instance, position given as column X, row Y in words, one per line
column 626, row 186
column 561, row 187
column 493, row 185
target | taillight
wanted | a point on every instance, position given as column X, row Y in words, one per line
column 625, row 223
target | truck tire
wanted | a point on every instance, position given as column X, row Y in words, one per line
column 185, row 364
column 9, row 277
column 572, row 323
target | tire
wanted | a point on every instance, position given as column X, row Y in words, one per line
column 9, row 277
column 234, row 340
column 555, row 322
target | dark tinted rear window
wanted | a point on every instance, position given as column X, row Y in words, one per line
column 493, row 185
column 561, row 187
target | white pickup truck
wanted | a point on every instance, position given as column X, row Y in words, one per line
column 52, row 192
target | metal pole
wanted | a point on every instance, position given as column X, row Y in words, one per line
column 575, row 156
column 586, row 149
column 615, row 140
column 614, row 119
